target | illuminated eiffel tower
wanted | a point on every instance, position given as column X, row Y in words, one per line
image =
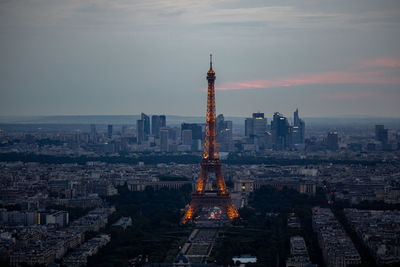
column 211, row 164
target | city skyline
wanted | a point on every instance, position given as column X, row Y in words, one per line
column 115, row 58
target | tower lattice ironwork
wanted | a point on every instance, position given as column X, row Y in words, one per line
column 211, row 164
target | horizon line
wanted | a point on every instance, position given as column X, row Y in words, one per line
column 200, row 116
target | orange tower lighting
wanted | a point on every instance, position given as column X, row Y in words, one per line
column 211, row 163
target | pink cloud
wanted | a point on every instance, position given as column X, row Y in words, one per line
column 382, row 62
column 333, row 77
column 349, row 95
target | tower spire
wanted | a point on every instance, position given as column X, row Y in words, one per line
column 210, row 61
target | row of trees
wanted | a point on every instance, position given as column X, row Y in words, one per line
column 233, row 159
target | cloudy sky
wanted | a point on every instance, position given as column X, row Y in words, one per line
column 111, row 57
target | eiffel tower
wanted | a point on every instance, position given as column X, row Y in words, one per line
column 210, row 164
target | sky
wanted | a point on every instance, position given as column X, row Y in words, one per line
column 123, row 57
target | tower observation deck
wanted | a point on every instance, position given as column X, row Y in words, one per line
column 210, row 164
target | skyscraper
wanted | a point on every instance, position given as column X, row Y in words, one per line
column 163, row 121
column 173, row 133
column 164, row 139
column 220, row 122
column 255, row 126
column 298, row 129
column 140, row 131
column 281, row 132
column 146, row 125
column 155, row 126
column 259, row 124
column 224, row 131
column 196, row 130
column 93, row 133
column 296, row 118
column 157, row 122
column 187, row 137
column 249, row 127
column 109, row 131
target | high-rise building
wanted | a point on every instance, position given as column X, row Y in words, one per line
column 157, row 122
column 282, row 135
column 187, row 137
column 381, row 134
column 249, row 127
column 298, row 129
column 297, row 135
column 93, row 133
column 155, row 126
column 173, row 133
column 109, row 131
column 220, row 121
column 140, row 131
column 259, row 124
column 256, row 126
column 163, row 121
column 224, row 131
column 164, row 139
column 146, row 125
column 196, row 130
column 332, row 141
column 281, row 132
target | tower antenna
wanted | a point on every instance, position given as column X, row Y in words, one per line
column 210, row 61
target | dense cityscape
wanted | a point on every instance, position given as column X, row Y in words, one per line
column 56, row 185
column 210, row 133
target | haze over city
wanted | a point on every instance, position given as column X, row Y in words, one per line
column 327, row 58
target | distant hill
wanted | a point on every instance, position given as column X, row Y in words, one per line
column 102, row 119
column 173, row 120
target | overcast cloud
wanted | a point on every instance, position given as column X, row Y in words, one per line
column 72, row 57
